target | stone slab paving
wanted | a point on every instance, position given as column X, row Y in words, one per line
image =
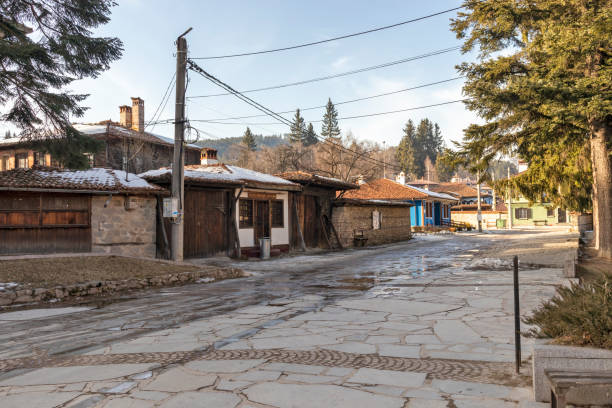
column 422, row 333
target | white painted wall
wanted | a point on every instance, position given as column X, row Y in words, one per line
column 280, row 236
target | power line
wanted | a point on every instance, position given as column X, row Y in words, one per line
column 164, row 97
column 193, row 66
column 343, row 102
column 356, row 71
column 330, row 39
column 367, row 115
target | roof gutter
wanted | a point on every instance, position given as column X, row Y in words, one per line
column 64, row 190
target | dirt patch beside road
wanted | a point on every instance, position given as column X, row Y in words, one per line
column 46, row 272
column 532, row 247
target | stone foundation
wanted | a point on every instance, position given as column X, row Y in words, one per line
column 351, row 220
column 126, row 226
column 57, row 293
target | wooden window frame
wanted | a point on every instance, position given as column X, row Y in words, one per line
column 282, row 214
column 5, row 162
column 249, row 221
column 38, row 156
column 550, row 212
column 518, row 213
column 20, row 156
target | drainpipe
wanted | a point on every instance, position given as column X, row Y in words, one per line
column 479, row 215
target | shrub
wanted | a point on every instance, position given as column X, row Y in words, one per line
column 577, row 315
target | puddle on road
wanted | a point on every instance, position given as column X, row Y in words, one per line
column 40, row 313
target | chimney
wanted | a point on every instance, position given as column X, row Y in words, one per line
column 125, row 116
column 208, row 156
column 401, row 178
column 361, row 180
column 138, row 115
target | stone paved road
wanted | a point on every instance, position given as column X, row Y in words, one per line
column 421, row 324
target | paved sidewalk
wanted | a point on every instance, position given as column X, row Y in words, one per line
column 425, row 324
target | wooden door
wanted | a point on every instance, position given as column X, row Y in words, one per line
column 312, row 222
column 205, row 231
column 561, row 216
column 262, row 220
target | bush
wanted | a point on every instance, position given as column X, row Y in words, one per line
column 577, row 315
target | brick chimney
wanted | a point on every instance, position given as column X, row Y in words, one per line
column 138, row 114
column 208, row 156
column 125, row 116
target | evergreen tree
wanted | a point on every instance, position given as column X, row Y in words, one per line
column 298, row 128
column 36, row 69
column 249, row 140
column 311, row 137
column 406, row 152
column 330, row 128
column 542, row 84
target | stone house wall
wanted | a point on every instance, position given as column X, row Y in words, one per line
column 489, row 218
column 122, row 231
column 350, row 220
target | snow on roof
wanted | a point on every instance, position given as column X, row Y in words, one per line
column 100, row 128
column 222, row 174
column 95, row 179
column 315, row 179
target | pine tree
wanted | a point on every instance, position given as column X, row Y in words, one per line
column 311, row 137
column 405, row 153
column 36, row 69
column 298, row 128
column 249, row 140
column 542, row 84
column 330, row 128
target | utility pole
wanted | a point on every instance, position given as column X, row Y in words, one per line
column 479, row 214
column 178, row 175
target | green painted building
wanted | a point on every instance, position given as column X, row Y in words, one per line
column 536, row 213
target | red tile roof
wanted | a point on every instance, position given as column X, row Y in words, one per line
column 384, row 189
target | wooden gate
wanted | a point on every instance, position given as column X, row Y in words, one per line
column 43, row 223
column 206, row 223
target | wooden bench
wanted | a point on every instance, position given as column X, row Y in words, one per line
column 561, row 382
column 539, row 222
column 491, row 223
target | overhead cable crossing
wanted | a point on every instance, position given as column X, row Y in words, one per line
column 308, row 44
column 323, row 78
column 194, row 67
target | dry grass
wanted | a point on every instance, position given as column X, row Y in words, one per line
column 47, row 272
column 590, row 267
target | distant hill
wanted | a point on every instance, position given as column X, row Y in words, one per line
column 223, row 144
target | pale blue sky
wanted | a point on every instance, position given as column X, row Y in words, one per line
column 148, row 29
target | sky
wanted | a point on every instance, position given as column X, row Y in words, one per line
column 148, row 29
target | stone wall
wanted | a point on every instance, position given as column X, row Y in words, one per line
column 471, row 217
column 124, row 228
column 350, row 220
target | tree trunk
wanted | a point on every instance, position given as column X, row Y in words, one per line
column 601, row 150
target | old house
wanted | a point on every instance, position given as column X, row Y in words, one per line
column 465, row 193
column 47, row 210
column 360, row 222
column 126, row 145
column 428, row 207
column 228, row 209
column 312, row 208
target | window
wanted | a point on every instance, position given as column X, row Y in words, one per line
column 21, row 160
column 446, row 210
column 246, row 213
column 4, row 163
column 39, row 159
column 428, row 210
column 550, row 212
column 522, row 213
column 277, row 214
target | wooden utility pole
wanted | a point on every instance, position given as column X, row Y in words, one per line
column 479, row 213
column 178, row 176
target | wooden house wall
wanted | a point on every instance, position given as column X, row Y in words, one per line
column 40, row 223
column 311, row 204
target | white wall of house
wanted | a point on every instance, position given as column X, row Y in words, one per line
column 279, row 236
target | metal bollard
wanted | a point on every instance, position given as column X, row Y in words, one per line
column 517, row 317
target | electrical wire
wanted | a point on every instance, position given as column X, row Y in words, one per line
column 342, row 102
column 166, row 93
column 323, row 78
column 193, row 66
column 243, row 54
